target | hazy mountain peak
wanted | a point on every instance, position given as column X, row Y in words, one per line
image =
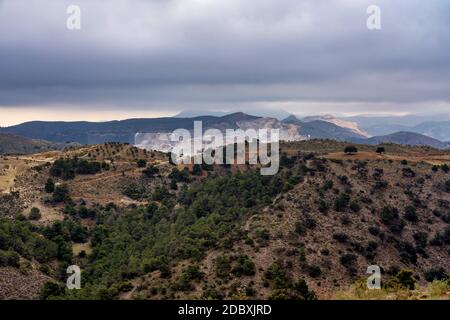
column 353, row 126
column 409, row 138
column 197, row 113
column 291, row 118
column 239, row 116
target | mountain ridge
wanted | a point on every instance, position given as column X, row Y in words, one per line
column 408, row 138
column 292, row 128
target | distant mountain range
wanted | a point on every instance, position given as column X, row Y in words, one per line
column 436, row 126
column 343, row 123
column 320, row 129
column 292, row 128
column 264, row 113
column 120, row 131
column 437, row 130
column 408, row 138
column 125, row 130
column 329, row 127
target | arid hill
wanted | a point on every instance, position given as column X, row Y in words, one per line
column 140, row 227
column 13, row 144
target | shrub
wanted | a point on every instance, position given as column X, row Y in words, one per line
column 408, row 172
column 350, row 150
column 223, row 267
column 348, row 260
column 61, row 193
column 193, row 273
column 135, row 191
column 49, row 186
column 446, row 236
column 9, row 258
column 374, row 230
column 381, row 184
column 243, row 266
column 372, row 246
column 421, row 239
column 440, row 239
column 388, row 215
column 314, row 271
column 300, row 228
column 328, row 185
column 189, row 274
column 150, row 171
column 50, row 289
column 447, row 186
column 179, row 176
column 35, row 214
column 275, row 274
column 310, row 223
column 151, row 210
column 302, row 288
column 66, row 168
column 354, row 206
column 141, row 163
column 378, row 173
column 263, row 234
column 344, row 180
column 197, row 170
column 436, row 274
column 411, row 214
column 124, row 286
column 340, row 237
column 408, row 253
column 341, row 202
column 437, row 240
column 160, row 194
column 323, row 206
column 403, row 279
column 173, row 185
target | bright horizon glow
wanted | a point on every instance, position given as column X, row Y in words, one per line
column 13, row 116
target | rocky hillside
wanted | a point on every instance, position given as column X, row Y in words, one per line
column 140, row 227
column 13, row 144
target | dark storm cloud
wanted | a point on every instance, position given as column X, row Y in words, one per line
column 224, row 53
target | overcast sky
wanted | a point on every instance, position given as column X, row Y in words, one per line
column 146, row 58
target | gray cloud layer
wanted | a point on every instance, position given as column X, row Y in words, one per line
column 178, row 54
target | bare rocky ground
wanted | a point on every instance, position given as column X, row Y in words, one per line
column 16, row 284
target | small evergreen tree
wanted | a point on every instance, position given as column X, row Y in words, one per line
column 35, row 214
column 49, row 185
column 61, row 193
column 350, row 150
column 141, row 163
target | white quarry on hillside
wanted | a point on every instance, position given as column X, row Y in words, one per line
column 161, row 141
